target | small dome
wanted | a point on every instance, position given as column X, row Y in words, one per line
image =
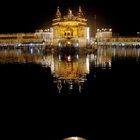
column 58, row 13
column 74, row 138
column 80, row 13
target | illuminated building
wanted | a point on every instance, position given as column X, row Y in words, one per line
column 70, row 30
column 104, row 33
column 46, row 35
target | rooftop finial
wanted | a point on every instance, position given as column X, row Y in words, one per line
column 80, row 13
column 58, row 13
column 80, row 9
column 70, row 13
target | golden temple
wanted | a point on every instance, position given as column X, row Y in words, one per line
column 70, row 30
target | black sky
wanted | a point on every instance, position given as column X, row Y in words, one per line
column 27, row 16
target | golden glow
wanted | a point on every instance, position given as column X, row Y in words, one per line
column 70, row 27
column 68, row 69
column 74, row 138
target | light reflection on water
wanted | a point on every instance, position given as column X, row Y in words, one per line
column 101, row 58
column 71, row 68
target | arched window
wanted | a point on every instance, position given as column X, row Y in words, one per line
column 68, row 33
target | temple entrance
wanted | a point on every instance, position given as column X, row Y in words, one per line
column 68, row 33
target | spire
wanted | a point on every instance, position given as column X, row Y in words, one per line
column 70, row 13
column 80, row 9
column 80, row 13
column 68, row 10
column 58, row 13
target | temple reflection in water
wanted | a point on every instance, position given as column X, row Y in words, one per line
column 70, row 68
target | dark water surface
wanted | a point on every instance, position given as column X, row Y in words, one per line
column 105, row 107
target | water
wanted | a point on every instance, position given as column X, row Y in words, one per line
column 56, row 95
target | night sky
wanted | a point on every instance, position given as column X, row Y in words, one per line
column 27, row 16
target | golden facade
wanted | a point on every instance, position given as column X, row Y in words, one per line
column 70, row 30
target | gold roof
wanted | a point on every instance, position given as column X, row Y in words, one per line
column 70, row 16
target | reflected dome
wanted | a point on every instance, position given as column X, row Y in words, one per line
column 74, row 138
